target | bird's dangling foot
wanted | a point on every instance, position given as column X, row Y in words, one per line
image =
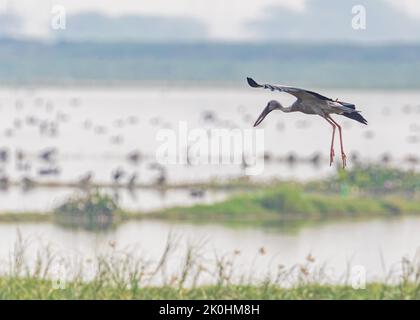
column 344, row 159
column 331, row 156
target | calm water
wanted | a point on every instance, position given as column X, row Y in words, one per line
column 96, row 129
column 377, row 245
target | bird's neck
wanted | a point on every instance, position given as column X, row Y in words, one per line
column 286, row 109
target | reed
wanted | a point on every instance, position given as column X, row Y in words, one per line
column 118, row 274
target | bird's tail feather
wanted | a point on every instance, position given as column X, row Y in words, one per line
column 355, row 116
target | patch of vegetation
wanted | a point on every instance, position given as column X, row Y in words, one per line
column 369, row 191
column 290, row 202
column 90, row 210
column 18, row 217
column 119, row 274
column 370, row 178
column 33, row 288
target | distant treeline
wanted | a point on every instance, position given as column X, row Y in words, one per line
column 314, row 65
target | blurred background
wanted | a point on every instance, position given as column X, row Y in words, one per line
column 87, row 85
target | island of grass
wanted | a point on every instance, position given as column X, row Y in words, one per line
column 362, row 192
column 287, row 202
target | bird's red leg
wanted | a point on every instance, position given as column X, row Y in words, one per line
column 332, row 141
column 343, row 155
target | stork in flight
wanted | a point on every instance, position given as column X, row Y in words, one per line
column 310, row 102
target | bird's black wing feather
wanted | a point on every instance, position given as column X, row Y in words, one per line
column 355, row 116
column 253, row 84
column 297, row 92
column 319, row 96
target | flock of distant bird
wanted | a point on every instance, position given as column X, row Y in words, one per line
column 48, row 126
column 119, row 177
column 47, row 159
column 306, row 101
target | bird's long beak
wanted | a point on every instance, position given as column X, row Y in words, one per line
column 262, row 116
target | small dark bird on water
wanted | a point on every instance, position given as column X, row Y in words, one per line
column 310, row 102
column 4, row 182
column 161, row 179
column 85, row 180
column 162, row 174
column 315, row 159
column 197, row 193
column 52, row 171
column 134, row 156
column 117, row 175
column 4, row 155
column 132, row 181
column 48, row 154
column 27, row 183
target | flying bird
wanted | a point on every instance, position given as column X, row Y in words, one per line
column 310, row 102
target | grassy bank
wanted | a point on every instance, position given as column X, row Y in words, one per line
column 362, row 192
column 25, row 217
column 282, row 203
column 369, row 191
column 290, row 202
column 32, row 288
column 185, row 270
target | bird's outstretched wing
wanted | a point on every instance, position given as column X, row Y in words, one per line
column 300, row 94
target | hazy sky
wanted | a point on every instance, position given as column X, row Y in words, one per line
column 225, row 20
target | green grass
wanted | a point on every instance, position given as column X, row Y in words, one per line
column 371, row 179
column 25, row 217
column 365, row 191
column 119, row 274
column 270, row 206
column 33, row 288
column 291, row 202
